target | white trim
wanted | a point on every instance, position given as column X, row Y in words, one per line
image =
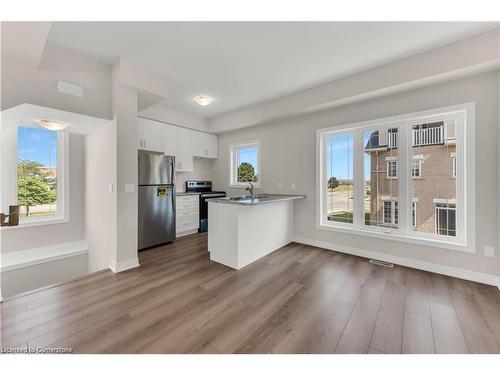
column 403, row 261
column 444, row 201
column 124, row 265
column 9, row 175
column 388, row 169
column 232, row 165
column 35, row 223
column 24, row 258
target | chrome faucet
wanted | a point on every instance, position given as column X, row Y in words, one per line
column 250, row 190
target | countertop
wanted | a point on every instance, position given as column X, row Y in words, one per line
column 259, row 199
column 180, row 193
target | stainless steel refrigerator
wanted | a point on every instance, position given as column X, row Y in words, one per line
column 156, row 199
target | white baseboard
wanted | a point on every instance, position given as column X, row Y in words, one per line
column 125, row 265
column 460, row 273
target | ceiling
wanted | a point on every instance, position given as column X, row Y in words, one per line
column 244, row 63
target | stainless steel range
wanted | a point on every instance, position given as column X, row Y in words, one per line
column 206, row 192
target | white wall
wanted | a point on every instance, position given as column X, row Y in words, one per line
column 30, row 237
column 100, row 205
column 288, row 154
column 26, row 84
column 161, row 112
column 202, row 170
column 125, row 124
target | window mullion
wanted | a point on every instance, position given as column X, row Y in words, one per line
column 404, row 179
column 358, row 213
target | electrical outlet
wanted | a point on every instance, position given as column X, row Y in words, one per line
column 110, row 188
column 294, row 186
column 489, row 251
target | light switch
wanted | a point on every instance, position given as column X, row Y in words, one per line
column 489, row 251
column 129, row 188
column 110, row 188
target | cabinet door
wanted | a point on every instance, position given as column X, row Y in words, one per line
column 140, row 142
column 212, row 145
column 152, row 135
column 185, row 146
column 170, row 137
column 206, row 145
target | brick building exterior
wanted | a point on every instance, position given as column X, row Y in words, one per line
column 433, row 178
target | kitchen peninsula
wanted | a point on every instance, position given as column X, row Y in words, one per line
column 244, row 229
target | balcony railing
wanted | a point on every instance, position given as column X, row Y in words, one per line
column 428, row 136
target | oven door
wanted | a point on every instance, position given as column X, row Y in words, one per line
column 204, row 209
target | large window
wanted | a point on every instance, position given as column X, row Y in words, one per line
column 245, row 164
column 34, row 173
column 370, row 178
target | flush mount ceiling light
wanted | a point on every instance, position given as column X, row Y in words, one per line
column 52, row 124
column 203, row 100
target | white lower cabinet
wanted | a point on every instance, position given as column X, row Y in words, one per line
column 187, row 216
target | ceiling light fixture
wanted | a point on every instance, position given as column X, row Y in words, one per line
column 203, row 100
column 52, row 124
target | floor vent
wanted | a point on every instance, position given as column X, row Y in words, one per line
column 381, row 263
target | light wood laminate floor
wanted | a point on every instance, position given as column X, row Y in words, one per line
column 299, row 299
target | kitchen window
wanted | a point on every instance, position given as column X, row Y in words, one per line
column 35, row 174
column 245, row 164
column 369, row 178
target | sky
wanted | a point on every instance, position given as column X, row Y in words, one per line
column 339, row 157
column 37, row 145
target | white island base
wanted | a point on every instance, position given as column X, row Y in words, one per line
column 240, row 234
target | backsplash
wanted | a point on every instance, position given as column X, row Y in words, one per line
column 202, row 170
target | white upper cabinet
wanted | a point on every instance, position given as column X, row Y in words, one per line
column 176, row 141
column 170, row 141
column 205, row 145
column 150, row 135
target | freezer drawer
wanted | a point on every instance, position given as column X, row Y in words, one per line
column 156, row 215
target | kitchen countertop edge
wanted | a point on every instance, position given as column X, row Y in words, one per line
column 250, row 203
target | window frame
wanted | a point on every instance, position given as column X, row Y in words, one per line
column 465, row 181
column 233, row 172
column 9, row 173
column 448, row 208
column 418, row 159
column 388, row 168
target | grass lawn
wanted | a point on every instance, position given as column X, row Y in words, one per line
column 343, row 187
column 346, row 217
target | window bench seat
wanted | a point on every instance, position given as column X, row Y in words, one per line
column 33, row 268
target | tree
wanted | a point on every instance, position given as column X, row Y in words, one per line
column 333, row 183
column 28, row 168
column 34, row 187
column 32, row 191
column 246, row 173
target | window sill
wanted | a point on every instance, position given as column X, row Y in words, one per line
column 36, row 223
column 392, row 235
